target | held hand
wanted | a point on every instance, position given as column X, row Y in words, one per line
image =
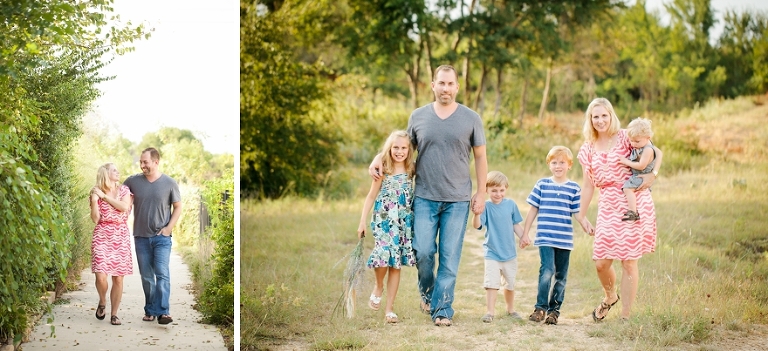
column 478, row 203
column 587, row 226
column 525, row 241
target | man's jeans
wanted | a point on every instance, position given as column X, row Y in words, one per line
column 554, row 262
column 153, row 256
column 449, row 219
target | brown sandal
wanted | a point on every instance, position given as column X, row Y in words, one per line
column 103, row 314
column 148, row 318
column 604, row 308
column 115, row 321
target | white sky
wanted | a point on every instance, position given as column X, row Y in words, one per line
column 186, row 75
column 720, row 6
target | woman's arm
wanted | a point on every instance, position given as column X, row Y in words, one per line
column 650, row 178
column 122, row 204
column 367, row 205
column 587, row 191
column 375, row 169
column 94, row 201
column 640, row 164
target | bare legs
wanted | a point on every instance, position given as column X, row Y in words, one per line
column 115, row 295
column 490, row 300
column 629, row 282
column 631, row 199
column 393, row 283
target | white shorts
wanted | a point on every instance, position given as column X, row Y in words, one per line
column 497, row 272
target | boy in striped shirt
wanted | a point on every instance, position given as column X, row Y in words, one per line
column 554, row 200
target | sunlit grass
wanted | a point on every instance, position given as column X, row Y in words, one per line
column 707, row 276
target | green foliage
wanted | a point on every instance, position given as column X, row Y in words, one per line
column 218, row 300
column 283, row 149
column 35, row 234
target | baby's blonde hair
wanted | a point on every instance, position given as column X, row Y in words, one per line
column 496, row 178
column 388, row 164
column 558, row 151
column 640, row 127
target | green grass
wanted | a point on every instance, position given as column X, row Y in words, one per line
column 703, row 288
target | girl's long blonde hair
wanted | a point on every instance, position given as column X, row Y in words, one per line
column 102, row 177
column 589, row 131
column 388, row 164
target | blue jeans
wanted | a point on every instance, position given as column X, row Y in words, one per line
column 449, row 221
column 154, row 256
column 554, row 262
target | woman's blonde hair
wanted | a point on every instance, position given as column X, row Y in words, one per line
column 102, row 177
column 589, row 131
column 640, row 127
column 388, row 164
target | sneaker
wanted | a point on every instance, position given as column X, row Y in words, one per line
column 551, row 318
column 630, row 216
column 514, row 315
column 537, row 316
column 487, row 318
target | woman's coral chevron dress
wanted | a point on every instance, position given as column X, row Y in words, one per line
column 111, row 244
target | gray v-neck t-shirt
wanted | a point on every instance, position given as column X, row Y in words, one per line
column 152, row 203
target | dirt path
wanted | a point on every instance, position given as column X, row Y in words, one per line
column 78, row 329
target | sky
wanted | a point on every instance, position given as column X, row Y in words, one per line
column 186, row 75
column 720, row 6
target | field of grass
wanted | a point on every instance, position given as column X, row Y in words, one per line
column 703, row 289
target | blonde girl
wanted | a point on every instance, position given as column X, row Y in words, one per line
column 391, row 198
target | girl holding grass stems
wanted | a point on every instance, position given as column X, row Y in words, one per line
column 600, row 157
column 391, row 198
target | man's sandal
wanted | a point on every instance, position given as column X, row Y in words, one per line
column 604, row 308
column 391, row 317
column 115, row 321
column 103, row 314
column 148, row 318
column 164, row 319
column 443, row 322
column 374, row 302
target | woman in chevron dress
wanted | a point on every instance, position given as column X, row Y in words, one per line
column 111, row 244
column 605, row 144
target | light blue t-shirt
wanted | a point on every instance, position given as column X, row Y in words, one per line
column 556, row 203
column 500, row 219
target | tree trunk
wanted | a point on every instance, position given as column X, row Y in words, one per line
column 481, row 87
column 545, row 96
column 499, row 75
column 523, row 100
column 468, row 61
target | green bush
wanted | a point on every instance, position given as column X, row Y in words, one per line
column 217, row 302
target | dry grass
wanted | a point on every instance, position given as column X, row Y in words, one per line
column 703, row 288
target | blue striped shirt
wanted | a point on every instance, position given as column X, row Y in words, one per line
column 557, row 202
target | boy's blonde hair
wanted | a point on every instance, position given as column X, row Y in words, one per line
column 496, row 178
column 560, row 151
column 589, row 131
column 388, row 164
column 640, row 127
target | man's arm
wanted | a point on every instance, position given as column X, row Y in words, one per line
column 481, row 171
column 167, row 230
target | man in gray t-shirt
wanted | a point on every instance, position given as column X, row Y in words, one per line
column 444, row 133
column 156, row 209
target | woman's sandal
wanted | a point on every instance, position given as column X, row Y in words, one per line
column 101, row 308
column 115, row 321
column 148, row 318
column 604, row 308
column 391, row 317
column 374, row 302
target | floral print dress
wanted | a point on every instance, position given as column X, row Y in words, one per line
column 392, row 223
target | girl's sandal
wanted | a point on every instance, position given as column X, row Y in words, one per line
column 115, row 321
column 391, row 317
column 374, row 302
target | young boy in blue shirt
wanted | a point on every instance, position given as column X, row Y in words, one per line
column 554, row 200
column 502, row 219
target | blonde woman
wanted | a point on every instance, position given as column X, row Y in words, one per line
column 111, row 245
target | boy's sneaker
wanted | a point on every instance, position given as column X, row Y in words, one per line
column 551, row 318
column 487, row 318
column 514, row 315
column 630, row 216
column 537, row 316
